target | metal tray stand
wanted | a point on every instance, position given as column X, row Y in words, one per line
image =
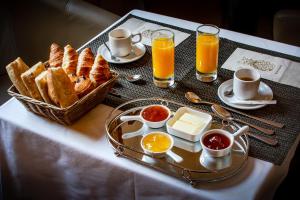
column 195, row 167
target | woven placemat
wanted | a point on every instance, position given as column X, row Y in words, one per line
column 285, row 111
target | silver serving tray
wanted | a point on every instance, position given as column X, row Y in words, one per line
column 195, row 166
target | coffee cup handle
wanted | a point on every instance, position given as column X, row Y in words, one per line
column 140, row 38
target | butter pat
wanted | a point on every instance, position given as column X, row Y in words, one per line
column 184, row 127
column 188, row 123
column 192, row 119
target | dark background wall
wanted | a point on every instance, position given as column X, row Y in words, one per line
column 254, row 17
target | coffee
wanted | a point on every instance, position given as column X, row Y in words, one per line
column 246, row 83
column 120, row 37
column 246, row 79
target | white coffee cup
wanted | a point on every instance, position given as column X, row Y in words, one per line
column 120, row 41
column 246, row 83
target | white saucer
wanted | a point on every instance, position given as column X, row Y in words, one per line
column 138, row 50
column 264, row 93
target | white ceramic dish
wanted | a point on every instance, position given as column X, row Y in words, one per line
column 150, row 124
column 138, row 50
column 221, row 152
column 264, row 93
column 194, row 137
column 168, row 151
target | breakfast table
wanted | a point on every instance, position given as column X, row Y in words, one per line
column 41, row 159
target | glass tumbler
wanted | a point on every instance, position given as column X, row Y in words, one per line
column 207, row 50
column 163, row 57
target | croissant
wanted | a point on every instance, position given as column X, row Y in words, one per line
column 85, row 62
column 70, row 58
column 100, row 71
column 56, row 55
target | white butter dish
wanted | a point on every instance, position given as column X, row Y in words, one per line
column 189, row 124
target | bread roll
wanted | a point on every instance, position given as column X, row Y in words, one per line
column 60, row 88
column 100, row 72
column 42, row 85
column 14, row 71
column 83, row 86
column 70, row 60
column 28, row 79
column 56, row 55
column 85, row 62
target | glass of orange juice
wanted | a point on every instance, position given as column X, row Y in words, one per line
column 163, row 57
column 207, row 50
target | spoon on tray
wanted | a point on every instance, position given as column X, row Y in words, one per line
column 194, row 98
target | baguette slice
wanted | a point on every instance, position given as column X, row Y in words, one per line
column 42, row 85
column 28, row 78
column 14, row 71
column 60, row 89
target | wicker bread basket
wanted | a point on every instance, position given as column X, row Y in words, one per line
column 70, row 114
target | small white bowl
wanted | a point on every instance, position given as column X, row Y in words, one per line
column 157, row 154
column 194, row 137
column 221, row 152
column 151, row 124
column 161, row 154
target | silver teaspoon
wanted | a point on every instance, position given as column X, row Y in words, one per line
column 194, row 98
column 227, row 115
column 132, row 78
column 269, row 141
column 111, row 55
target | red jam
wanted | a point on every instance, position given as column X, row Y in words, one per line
column 155, row 113
column 216, row 141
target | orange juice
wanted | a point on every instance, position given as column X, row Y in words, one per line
column 207, row 48
column 163, row 58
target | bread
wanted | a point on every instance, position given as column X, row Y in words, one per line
column 42, row 85
column 60, row 88
column 28, row 79
column 14, row 71
column 83, row 86
column 73, row 78
column 85, row 62
column 56, row 55
column 70, row 60
column 100, row 72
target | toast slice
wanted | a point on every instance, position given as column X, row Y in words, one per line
column 28, row 79
column 60, row 88
column 42, row 85
column 14, row 71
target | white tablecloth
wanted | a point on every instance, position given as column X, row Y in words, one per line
column 41, row 159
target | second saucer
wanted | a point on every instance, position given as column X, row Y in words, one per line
column 138, row 50
column 264, row 93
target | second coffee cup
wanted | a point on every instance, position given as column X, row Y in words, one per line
column 120, row 41
column 246, row 83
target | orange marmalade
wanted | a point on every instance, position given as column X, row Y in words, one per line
column 156, row 142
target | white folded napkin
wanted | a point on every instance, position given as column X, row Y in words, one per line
column 270, row 67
